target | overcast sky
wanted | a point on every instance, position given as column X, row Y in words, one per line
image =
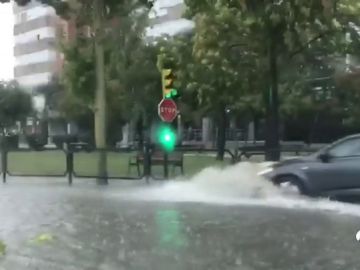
column 6, row 42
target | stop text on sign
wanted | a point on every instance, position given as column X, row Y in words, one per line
column 167, row 110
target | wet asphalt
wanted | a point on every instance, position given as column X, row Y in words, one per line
column 47, row 225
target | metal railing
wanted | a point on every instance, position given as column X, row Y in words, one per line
column 231, row 134
column 124, row 164
column 148, row 163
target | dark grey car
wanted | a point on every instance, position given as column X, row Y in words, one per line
column 332, row 172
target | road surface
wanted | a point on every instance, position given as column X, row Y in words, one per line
column 50, row 226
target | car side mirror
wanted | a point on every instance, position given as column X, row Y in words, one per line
column 325, row 157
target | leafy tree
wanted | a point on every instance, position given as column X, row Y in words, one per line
column 347, row 75
column 349, row 94
column 133, row 82
column 15, row 104
column 132, row 70
column 102, row 12
column 272, row 33
column 208, row 79
column 221, row 82
column 96, row 14
column 143, row 91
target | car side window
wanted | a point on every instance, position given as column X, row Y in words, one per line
column 346, row 148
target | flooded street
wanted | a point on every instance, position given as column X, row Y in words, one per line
column 177, row 225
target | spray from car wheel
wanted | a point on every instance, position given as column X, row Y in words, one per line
column 239, row 184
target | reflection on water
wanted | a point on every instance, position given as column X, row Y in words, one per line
column 170, row 229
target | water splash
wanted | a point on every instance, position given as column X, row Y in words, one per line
column 236, row 185
column 237, row 181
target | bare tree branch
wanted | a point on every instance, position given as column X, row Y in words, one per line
column 306, row 45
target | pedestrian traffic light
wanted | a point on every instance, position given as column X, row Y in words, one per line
column 168, row 79
column 167, row 138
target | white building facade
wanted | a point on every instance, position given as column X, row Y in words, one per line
column 37, row 29
column 37, row 57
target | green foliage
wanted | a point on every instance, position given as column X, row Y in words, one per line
column 349, row 94
column 2, row 248
column 143, row 91
column 132, row 80
column 224, row 63
column 79, row 70
column 43, row 238
column 15, row 104
column 212, row 65
column 242, row 31
column 132, row 75
column 213, row 36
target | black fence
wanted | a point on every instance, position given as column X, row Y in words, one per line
column 126, row 164
column 122, row 164
column 231, row 134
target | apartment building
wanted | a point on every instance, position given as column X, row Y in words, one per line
column 37, row 31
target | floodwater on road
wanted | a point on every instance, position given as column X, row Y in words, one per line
column 216, row 220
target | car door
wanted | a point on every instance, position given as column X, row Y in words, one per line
column 342, row 171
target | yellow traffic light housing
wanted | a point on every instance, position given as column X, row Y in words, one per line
column 168, row 79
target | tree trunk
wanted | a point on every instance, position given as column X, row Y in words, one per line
column 140, row 132
column 221, row 138
column 272, row 106
column 256, row 128
column 146, row 125
column 100, row 96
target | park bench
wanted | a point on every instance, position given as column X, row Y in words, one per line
column 80, row 146
column 295, row 147
column 175, row 160
column 248, row 151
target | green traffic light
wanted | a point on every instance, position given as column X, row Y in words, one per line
column 167, row 138
column 172, row 94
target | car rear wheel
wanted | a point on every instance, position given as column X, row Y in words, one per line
column 291, row 185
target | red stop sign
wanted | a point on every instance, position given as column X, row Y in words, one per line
column 167, row 110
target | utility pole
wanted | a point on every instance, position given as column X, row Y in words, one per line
column 100, row 96
column 272, row 140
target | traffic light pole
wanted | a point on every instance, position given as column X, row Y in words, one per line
column 272, row 138
column 166, row 165
column 147, row 156
column 167, row 111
